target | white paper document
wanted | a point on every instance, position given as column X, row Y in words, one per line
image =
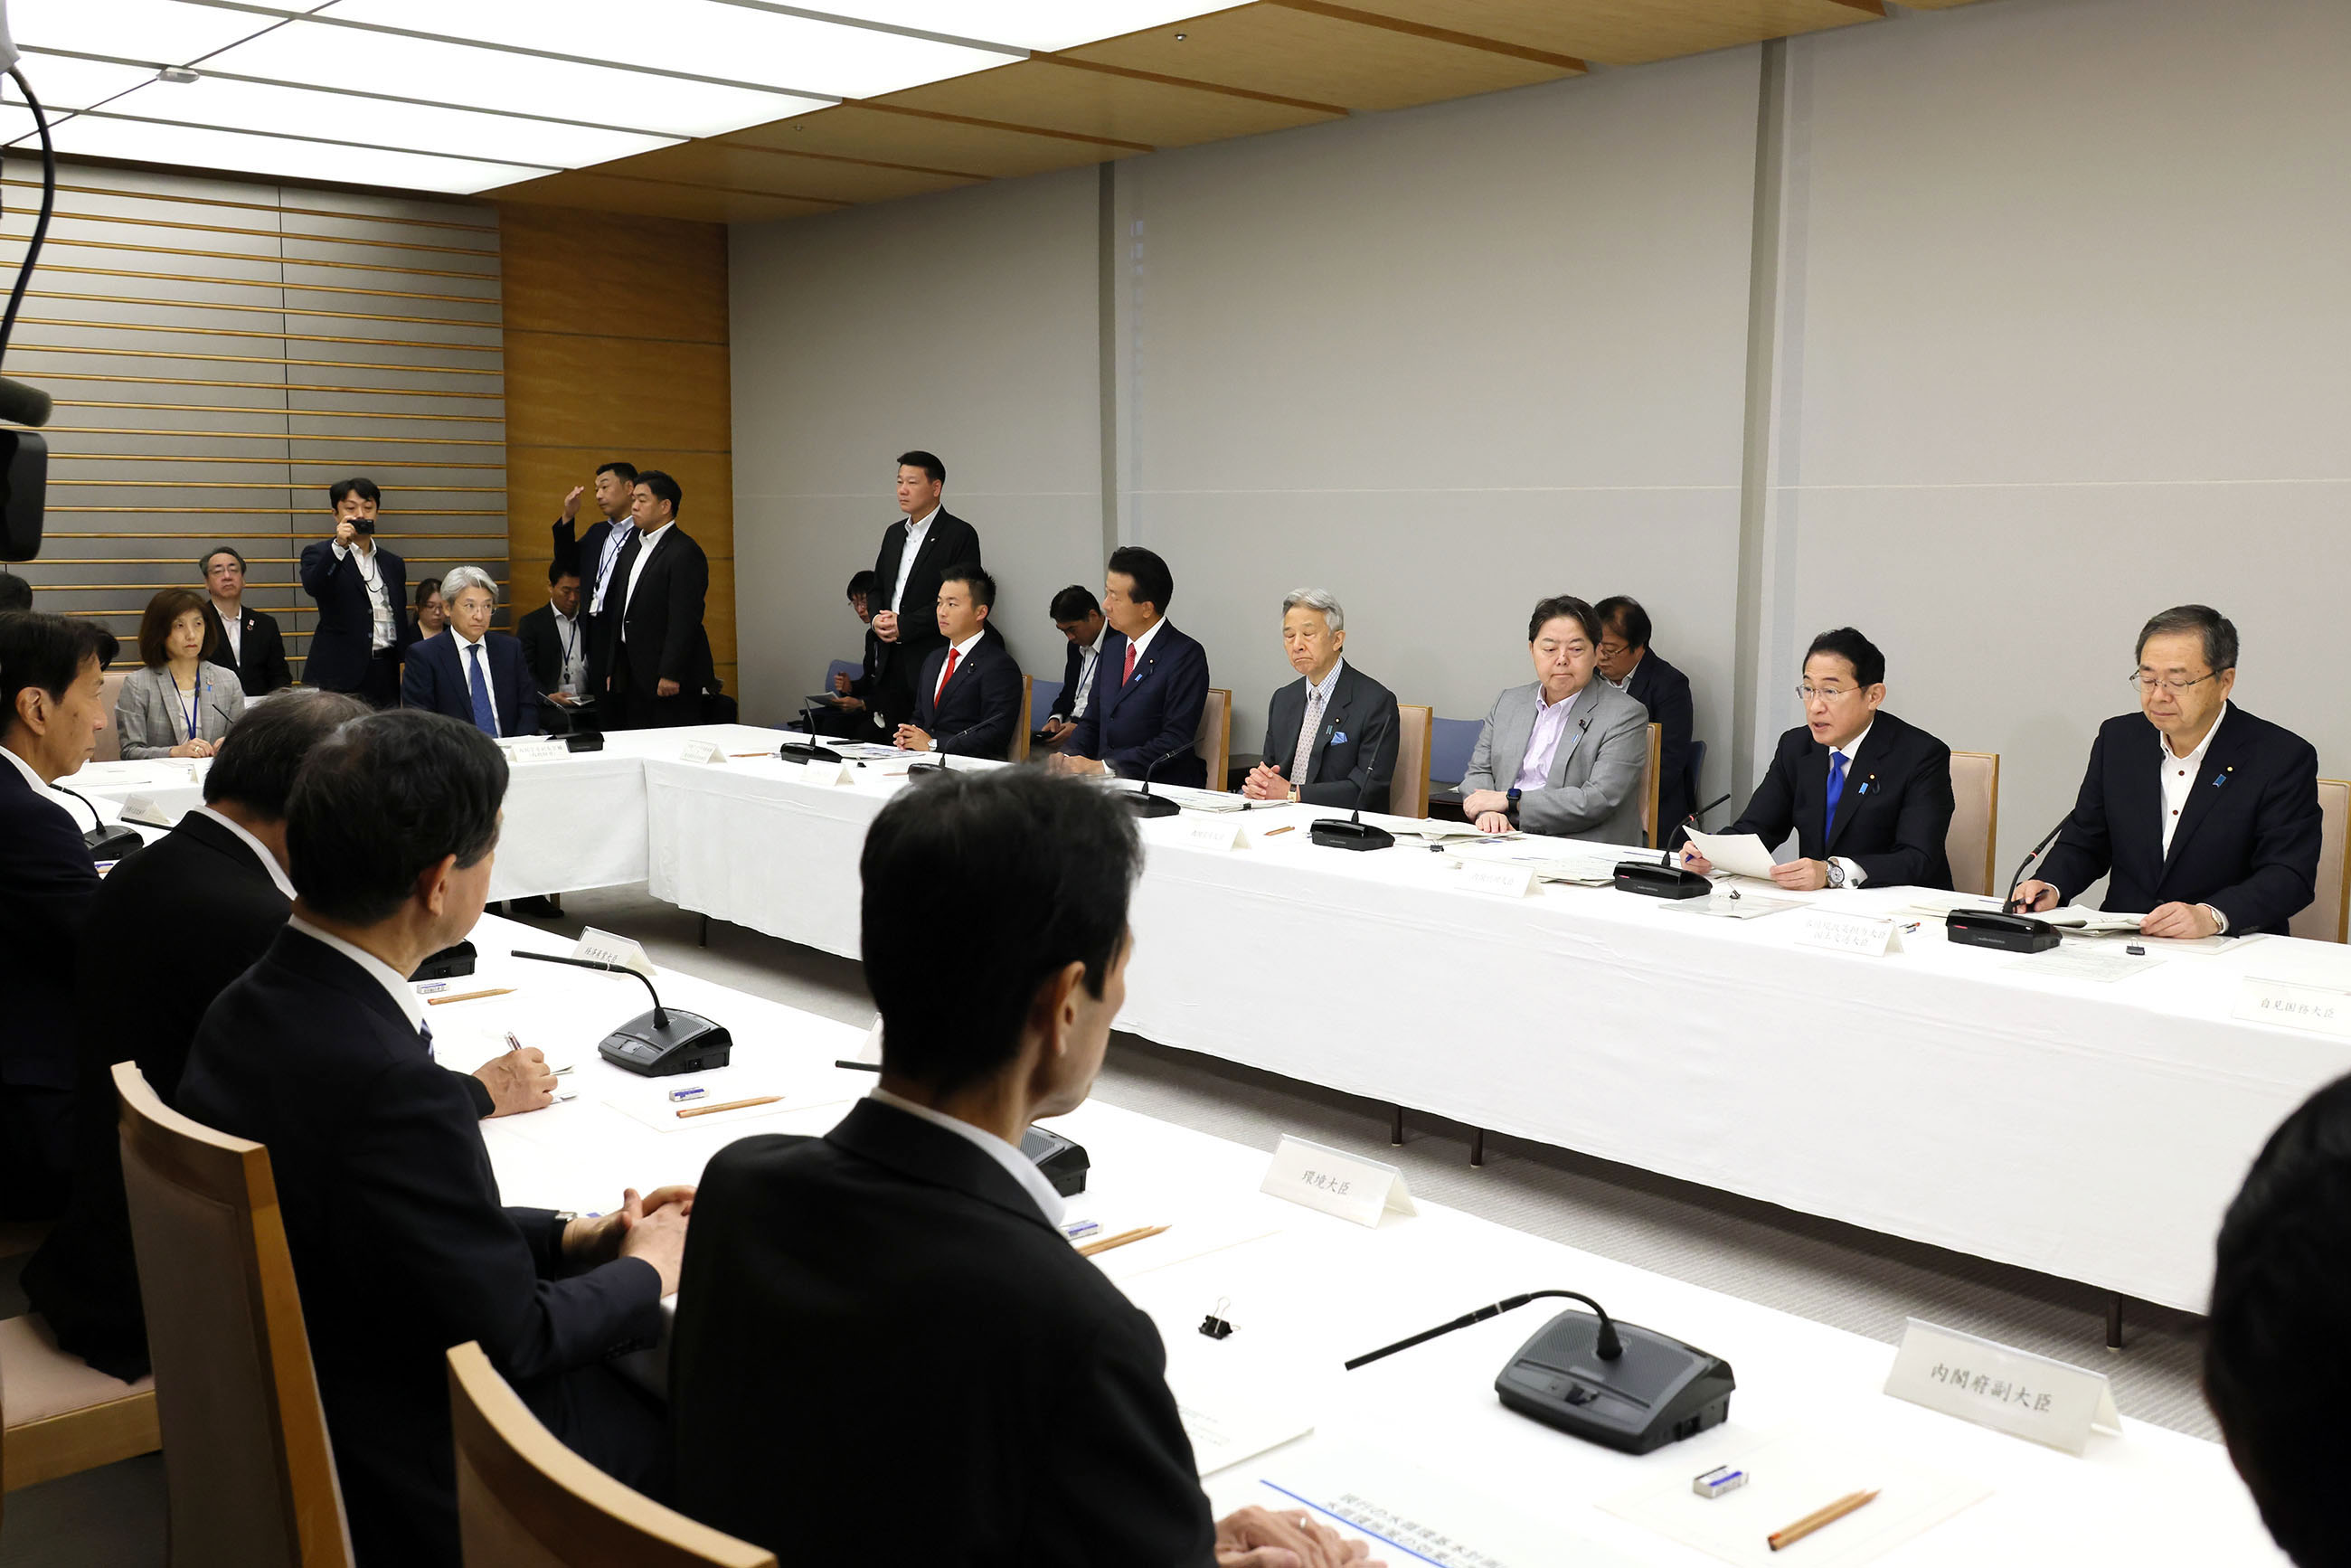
column 1225, row 1428
column 1733, row 905
column 1740, row 854
column 2094, row 922
column 2081, row 964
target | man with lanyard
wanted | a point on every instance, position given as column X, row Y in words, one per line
column 591, row 557
column 358, row 587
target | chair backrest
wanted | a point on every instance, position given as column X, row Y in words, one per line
column 1450, row 742
column 852, row 668
column 2329, row 913
column 1652, row 783
column 524, row 1501
column 1215, row 740
column 247, row 1462
column 1974, row 837
column 1408, row 791
column 109, row 744
column 1020, row 752
column 1045, row 694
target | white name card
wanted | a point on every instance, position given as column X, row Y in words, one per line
column 828, row 774
column 1335, row 1182
column 1215, row 833
column 143, row 809
column 703, row 751
column 603, row 948
column 2012, row 1391
column 535, row 748
column 2286, row 1003
column 1498, row 877
column 1843, row 933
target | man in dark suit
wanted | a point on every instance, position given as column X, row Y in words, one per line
column 2212, row 826
column 1150, row 683
column 593, row 558
column 1867, row 796
column 554, row 639
column 52, row 678
column 657, row 653
column 967, row 703
column 360, row 590
column 1628, row 664
column 400, row 1244
column 906, row 580
column 1078, row 616
column 245, row 641
column 474, row 673
column 1035, row 1424
column 1331, row 735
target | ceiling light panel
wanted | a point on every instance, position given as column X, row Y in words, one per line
column 698, row 37
column 164, row 31
column 419, row 127
column 1026, row 24
column 96, row 136
column 499, row 79
column 62, row 82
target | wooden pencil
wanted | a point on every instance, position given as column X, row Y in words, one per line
column 1144, row 1233
column 469, row 996
column 729, row 1105
column 1815, row 1520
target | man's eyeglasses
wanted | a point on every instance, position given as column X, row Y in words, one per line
column 1807, row 692
column 2144, row 682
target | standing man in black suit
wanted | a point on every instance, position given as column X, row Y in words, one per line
column 1867, row 796
column 472, row 673
column 657, row 653
column 52, row 678
column 359, row 587
column 1627, row 663
column 593, row 558
column 1078, row 616
column 1150, row 683
column 554, row 640
column 918, row 1222
column 967, row 702
column 1331, row 736
column 906, row 577
column 247, row 640
column 322, row 1051
column 2212, row 830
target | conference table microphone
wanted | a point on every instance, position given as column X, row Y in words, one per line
column 1355, row 833
column 806, row 750
column 2007, row 928
column 657, row 1044
column 1147, row 804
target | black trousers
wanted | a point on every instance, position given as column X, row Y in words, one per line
column 379, row 683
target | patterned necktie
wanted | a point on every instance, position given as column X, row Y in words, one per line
column 946, row 674
column 1304, row 753
column 486, row 718
column 425, row 1031
column 1130, row 665
column 1836, row 792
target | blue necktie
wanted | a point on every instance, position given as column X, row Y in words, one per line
column 485, row 718
column 1836, row 793
column 425, row 1031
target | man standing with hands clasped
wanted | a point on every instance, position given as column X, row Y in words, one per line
column 906, row 577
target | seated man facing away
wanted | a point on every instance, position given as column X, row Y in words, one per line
column 967, row 700
column 1331, row 735
column 1867, row 796
column 1564, row 755
column 2213, row 829
column 400, row 1244
column 207, row 898
column 903, row 1281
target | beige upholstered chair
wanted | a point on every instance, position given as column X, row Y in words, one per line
column 1215, row 739
column 2329, row 913
column 247, row 1462
column 64, row 1415
column 524, row 1501
column 1975, row 821
column 109, row 745
column 1020, row 752
column 1408, row 791
column 1652, row 783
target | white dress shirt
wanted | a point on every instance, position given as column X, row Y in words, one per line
column 395, row 984
column 1087, row 657
column 1854, row 876
column 567, row 638
column 467, row 653
column 644, row 554
column 961, row 654
column 2180, row 777
column 41, row 786
column 231, row 627
column 917, row 530
column 615, row 542
column 261, row 851
column 387, row 626
column 1019, row 1166
column 1141, row 644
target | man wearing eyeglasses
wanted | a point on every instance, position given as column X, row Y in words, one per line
column 1867, row 796
column 2211, row 827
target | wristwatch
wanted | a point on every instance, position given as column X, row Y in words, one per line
column 1513, row 794
column 1836, row 875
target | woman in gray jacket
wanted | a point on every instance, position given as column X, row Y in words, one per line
column 181, row 704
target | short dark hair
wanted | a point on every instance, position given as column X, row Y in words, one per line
column 1074, row 603
column 1051, row 860
column 204, row 561
column 257, row 765
column 1154, row 585
column 364, row 488
column 383, row 797
column 1868, row 663
column 970, row 572
column 927, row 463
column 863, row 582
column 1564, row 606
column 46, row 652
column 559, row 568
column 1624, row 617
column 2273, row 1369
column 16, row 593
column 426, row 587
column 2219, row 632
column 627, row 471
column 155, row 625
column 665, row 489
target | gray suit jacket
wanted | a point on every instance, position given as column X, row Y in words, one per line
column 1593, row 788
column 150, row 721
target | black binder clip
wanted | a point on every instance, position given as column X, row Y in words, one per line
column 1214, row 1324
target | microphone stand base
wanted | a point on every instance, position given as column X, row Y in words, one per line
column 686, row 1043
column 1334, row 833
column 805, row 751
column 1143, row 805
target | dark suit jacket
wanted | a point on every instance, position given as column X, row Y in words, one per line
column 584, row 555
column 895, row 1279
column 1666, row 692
column 1892, row 818
column 340, row 643
column 1132, row 726
column 47, row 886
column 1355, row 745
column 435, row 678
column 260, row 663
column 949, row 541
column 2248, row 839
column 980, row 710
column 658, row 635
column 542, row 646
column 400, row 1246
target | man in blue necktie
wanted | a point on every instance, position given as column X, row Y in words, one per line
column 473, row 674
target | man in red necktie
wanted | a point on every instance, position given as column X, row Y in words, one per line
column 967, row 698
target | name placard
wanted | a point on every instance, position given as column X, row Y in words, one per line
column 1335, row 1182
column 1843, row 933
column 1497, row 877
column 703, row 751
column 1213, row 833
column 828, row 774
column 143, row 809
column 603, row 948
column 2012, row 1391
column 2286, row 1003
column 535, row 748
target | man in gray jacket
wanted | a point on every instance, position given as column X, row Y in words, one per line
column 1564, row 755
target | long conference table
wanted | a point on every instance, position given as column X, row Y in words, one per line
column 2094, row 1130
column 1414, row 1451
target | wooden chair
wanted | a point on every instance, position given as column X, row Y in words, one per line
column 109, row 744
column 63, row 1415
column 2328, row 918
column 1653, row 778
column 1408, row 791
column 1214, row 741
column 1020, row 752
column 1974, row 837
column 524, row 1501
column 246, row 1461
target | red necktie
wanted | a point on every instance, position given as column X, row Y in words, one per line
column 1130, row 665
column 948, row 674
